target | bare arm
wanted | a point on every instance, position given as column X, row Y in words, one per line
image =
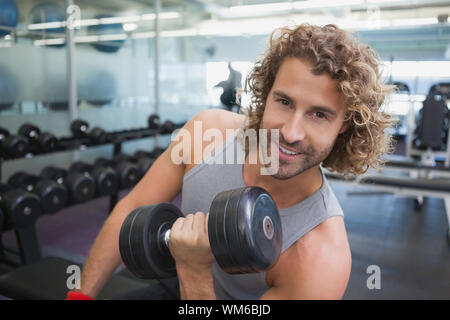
column 318, row 271
column 161, row 183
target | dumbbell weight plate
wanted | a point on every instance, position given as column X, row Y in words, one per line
column 47, row 142
column 129, row 174
column 168, row 127
column 154, row 122
column 141, row 238
column 107, row 180
column 23, row 207
column 247, row 242
column 82, row 186
column 16, row 146
column 79, row 128
column 98, row 135
column 53, row 195
column 217, row 232
column 29, row 131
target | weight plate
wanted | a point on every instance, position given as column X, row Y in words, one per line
column 107, row 180
column 53, row 196
column 260, row 230
column 217, row 230
column 237, row 256
column 140, row 241
column 23, row 208
column 154, row 122
column 245, row 230
column 82, row 187
column 129, row 174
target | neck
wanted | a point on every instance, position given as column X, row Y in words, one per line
column 288, row 192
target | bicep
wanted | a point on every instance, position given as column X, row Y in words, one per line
column 320, row 277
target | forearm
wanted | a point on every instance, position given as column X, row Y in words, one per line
column 104, row 256
column 196, row 285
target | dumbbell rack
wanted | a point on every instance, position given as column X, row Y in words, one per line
column 27, row 241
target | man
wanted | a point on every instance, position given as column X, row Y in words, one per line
column 322, row 90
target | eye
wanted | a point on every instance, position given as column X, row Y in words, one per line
column 284, row 102
column 320, row 115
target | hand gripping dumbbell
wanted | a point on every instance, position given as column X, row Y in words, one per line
column 244, row 230
column 39, row 142
column 128, row 172
column 53, row 196
column 12, row 145
column 21, row 208
column 106, row 178
column 80, row 129
column 80, row 186
column 143, row 163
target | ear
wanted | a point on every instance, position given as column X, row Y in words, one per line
column 344, row 127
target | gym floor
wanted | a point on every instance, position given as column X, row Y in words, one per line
column 408, row 245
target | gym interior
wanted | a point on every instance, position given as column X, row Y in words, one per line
column 91, row 92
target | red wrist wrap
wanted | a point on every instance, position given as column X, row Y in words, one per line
column 75, row 295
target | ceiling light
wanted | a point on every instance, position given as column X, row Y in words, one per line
column 128, row 27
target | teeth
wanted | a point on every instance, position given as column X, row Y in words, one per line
column 287, row 151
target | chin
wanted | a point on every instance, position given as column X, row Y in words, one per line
column 287, row 174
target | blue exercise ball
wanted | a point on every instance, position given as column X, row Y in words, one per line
column 110, row 46
column 9, row 88
column 9, row 16
column 48, row 12
column 99, row 88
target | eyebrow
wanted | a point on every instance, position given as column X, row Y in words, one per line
column 323, row 109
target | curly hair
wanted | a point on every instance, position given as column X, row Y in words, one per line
column 355, row 66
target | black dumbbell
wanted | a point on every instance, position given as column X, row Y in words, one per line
column 168, row 127
column 80, row 186
column 39, row 142
column 12, row 145
column 128, row 172
column 143, row 163
column 106, row 178
column 244, row 230
column 153, row 121
column 80, row 129
column 53, row 196
column 21, row 208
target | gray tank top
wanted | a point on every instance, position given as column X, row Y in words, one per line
column 203, row 182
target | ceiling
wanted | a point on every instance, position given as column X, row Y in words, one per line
column 389, row 25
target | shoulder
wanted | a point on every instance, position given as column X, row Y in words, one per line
column 220, row 119
column 317, row 266
column 207, row 131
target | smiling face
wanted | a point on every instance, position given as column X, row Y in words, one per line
column 309, row 111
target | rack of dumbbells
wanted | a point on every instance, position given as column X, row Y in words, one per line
column 25, row 196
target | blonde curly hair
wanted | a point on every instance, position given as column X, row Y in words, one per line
column 355, row 66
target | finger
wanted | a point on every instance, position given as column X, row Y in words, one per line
column 188, row 222
column 199, row 222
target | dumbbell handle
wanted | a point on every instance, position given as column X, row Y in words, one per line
column 167, row 237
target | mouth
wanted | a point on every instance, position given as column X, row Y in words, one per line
column 288, row 155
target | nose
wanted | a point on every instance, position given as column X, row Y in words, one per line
column 293, row 129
